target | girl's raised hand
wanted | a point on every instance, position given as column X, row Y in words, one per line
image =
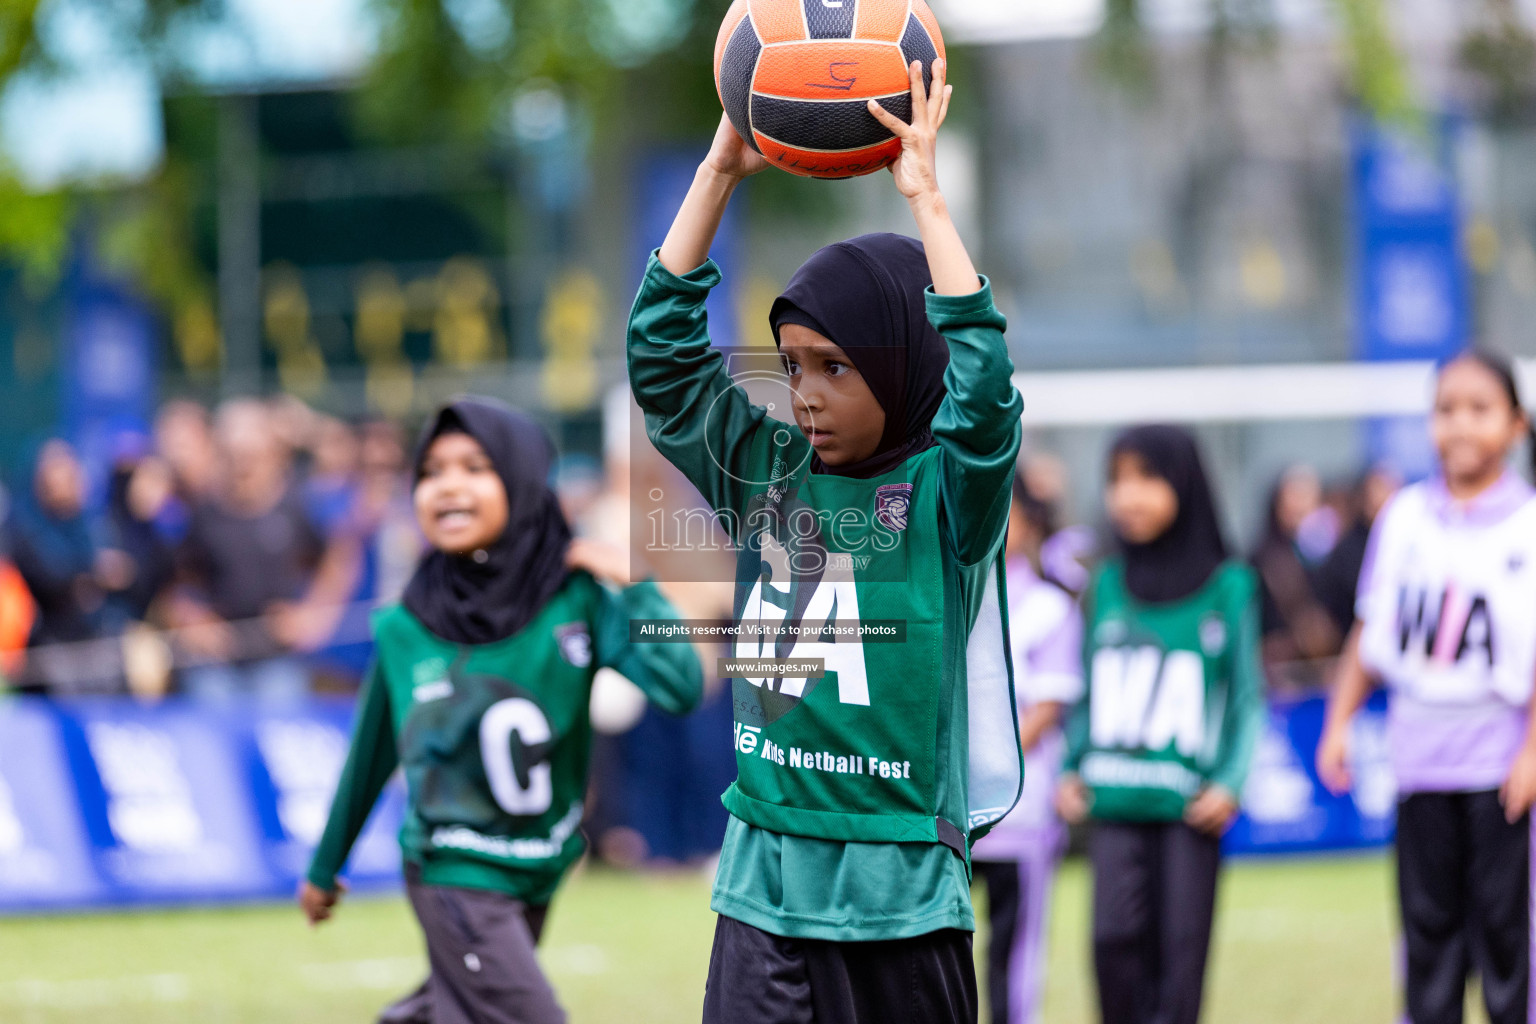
column 914, row 170
column 730, row 156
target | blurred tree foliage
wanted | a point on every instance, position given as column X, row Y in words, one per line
column 36, row 225
column 1501, row 52
column 452, row 70
column 1377, row 76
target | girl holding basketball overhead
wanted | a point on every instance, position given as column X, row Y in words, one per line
column 1446, row 604
column 843, row 886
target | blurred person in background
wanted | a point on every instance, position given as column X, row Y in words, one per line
column 1295, row 625
column 140, row 499
column 383, row 509
column 1445, row 621
column 296, row 427
column 1017, row 860
column 1066, row 551
column 1158, row 752
column 184, row 439
column 1339, row 575
column 17, row 613
column 249, row 557
column 59, row 550
column 139, row 492
column 330, row 484
column 373, row 545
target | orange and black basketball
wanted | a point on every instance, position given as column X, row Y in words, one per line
column 795, row 77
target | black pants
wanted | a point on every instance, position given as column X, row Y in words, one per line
column 1463, row 882
column 758, row 978
column 482, row 964
column 1018, row 897
column 1154, row 897
column 1004, row 899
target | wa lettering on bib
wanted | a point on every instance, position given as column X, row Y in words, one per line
column 1145, row 698
column 1158, row 677
column 1447, row 604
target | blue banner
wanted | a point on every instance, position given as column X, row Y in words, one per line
column 293, row 761
column 108, row 383
column 45, row 857
column 107, row 802
column 1285, row 807
column 663, row 181
column 1412, row 297
column 1411, row 290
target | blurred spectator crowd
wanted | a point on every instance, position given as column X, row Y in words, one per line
column 1308, row 558
column 240, row 551
column 231, row 551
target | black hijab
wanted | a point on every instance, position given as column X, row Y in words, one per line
column 489, row 595
column 1177, row 563
column 866, row 296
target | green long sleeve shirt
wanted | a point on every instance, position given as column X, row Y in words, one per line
column 784, row 879
column 495, row 738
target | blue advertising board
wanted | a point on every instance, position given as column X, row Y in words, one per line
column 45, row 856
column 107, row 802
column 1286, row 809
column 292, row 761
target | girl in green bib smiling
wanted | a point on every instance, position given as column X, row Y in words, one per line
column 869, row 533
column 480, row 689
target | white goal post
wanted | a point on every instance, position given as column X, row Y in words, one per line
column 1226, row 394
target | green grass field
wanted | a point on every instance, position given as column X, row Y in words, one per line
column 1297, row 941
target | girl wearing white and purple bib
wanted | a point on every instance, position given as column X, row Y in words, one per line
column 1447, row 610
column 1017, row 860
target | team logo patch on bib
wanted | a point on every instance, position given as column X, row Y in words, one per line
column 892, row 503
column 1111, row 632
column 1213, row 635
column 575, row 643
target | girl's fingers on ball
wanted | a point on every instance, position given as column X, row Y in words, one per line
column 949, row 91
column 890, row 120
column 935, row 99
column 919, row 91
